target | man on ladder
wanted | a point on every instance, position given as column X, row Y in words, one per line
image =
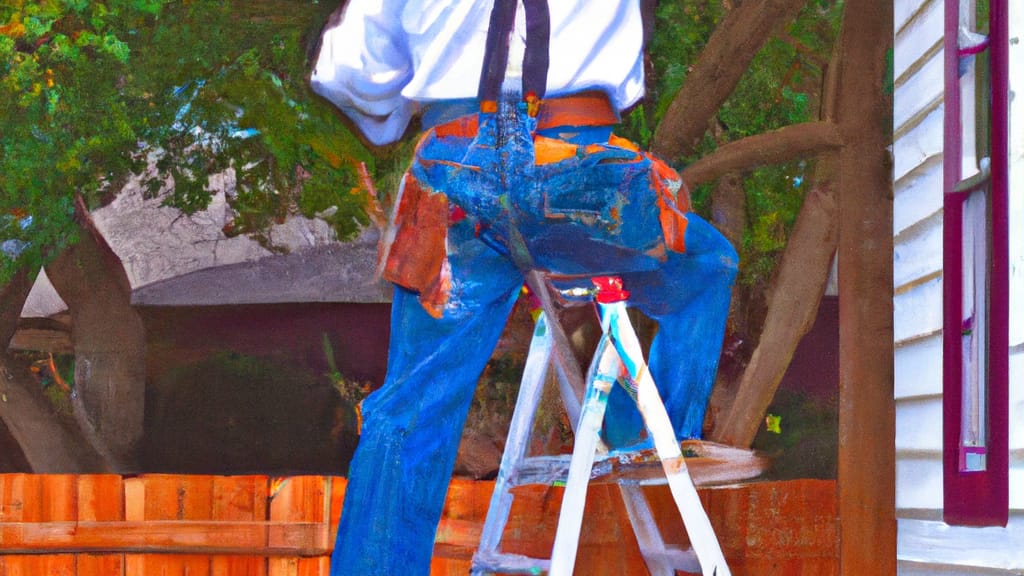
column 382, row 62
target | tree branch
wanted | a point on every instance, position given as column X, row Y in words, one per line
column 728, row 53
column 782, row 145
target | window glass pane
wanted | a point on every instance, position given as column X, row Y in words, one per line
column 982, row 85
column 973, row 426
column 972, row 41
column 968, row 118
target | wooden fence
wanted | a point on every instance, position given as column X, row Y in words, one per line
column 255, row 525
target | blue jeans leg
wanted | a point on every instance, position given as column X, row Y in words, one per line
column 689, row 298
column 412, row 425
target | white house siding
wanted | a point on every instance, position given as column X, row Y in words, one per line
column 926, row 545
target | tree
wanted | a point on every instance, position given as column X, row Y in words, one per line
column 743, row 99
column 850, row 207
column 94, row 93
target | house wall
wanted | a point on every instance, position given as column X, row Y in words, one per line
column 926, row 545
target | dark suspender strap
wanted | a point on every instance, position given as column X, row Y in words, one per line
column 503, row 17
column 647, row 8
column 535, row 61
column 538, row 36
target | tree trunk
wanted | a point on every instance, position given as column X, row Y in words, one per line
column 110, row 368
column 50, row 442
column 721, row 64
column 729, row 208
column 729, row 215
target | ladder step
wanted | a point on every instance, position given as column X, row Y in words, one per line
column 708, row 463
column 677, row 558
column 491, row 562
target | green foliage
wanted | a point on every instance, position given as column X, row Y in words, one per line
column 66, row 128
column 781, row 87
column 497, row 398
column 774, row 196
column 242, row 100
column 55, row 374
column 682, row 28
column 776, row 89
column 806, row 444
column 92, row 93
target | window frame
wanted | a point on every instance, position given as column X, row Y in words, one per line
column 976, row 497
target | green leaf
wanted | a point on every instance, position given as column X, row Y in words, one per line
column 116, row 48
column 76, row 5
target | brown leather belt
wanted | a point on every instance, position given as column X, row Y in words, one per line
column 591, row 108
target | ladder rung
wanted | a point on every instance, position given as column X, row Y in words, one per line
column 489, row 562
column 710, row 464
column 679, row 559
column 549, row 470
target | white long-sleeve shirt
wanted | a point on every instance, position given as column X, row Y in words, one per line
column 385, row 58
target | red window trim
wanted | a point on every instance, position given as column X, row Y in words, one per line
column 976, row 498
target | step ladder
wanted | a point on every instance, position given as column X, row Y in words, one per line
column 618, row 359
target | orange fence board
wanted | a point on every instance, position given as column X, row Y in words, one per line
column 449, row 566
column 100, row 498
column 101, row 565
column 239, row 498
column 238, row 566
column 58, row 495
column 299, row 499
column 337, row 493
column 62, row 565
column 20, row 498
column 172, row 497
column 181, row 498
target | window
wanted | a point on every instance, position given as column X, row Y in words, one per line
column 975, row 266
